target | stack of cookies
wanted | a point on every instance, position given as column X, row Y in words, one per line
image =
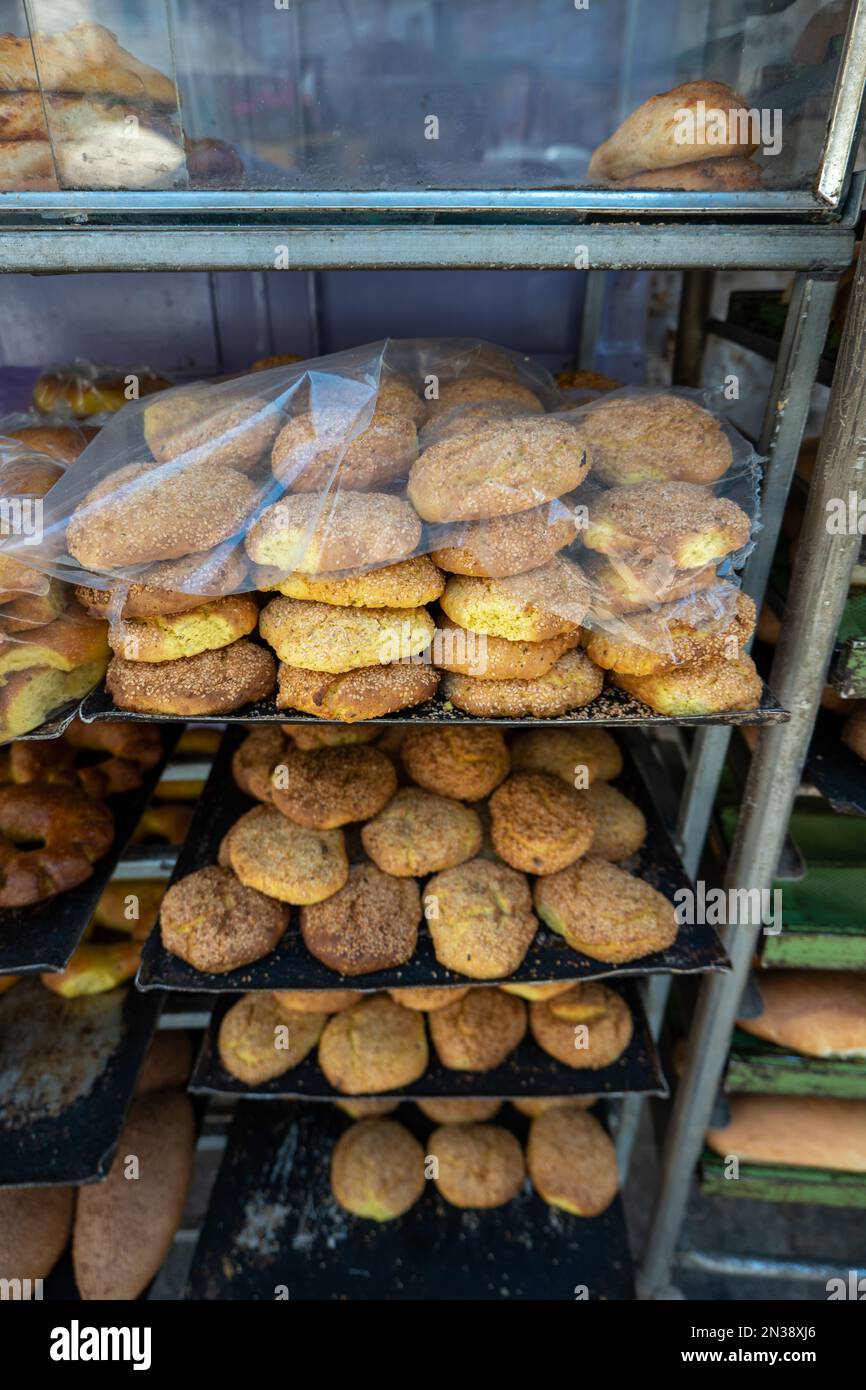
column 669, row 630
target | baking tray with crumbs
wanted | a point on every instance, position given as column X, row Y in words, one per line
column 528, row 1071
column 68, row 1068
column 290, row 966
column 42, row 937
column 613, row 707
column 834, row 769
column 273, row 1229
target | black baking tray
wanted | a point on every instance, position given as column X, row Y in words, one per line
column 77, row 1144
column 272, row 1221
column 55, row 726
column 613, row 707
column 837, row 772
column 529, row 1071
column 290, row 966
column 44, row 936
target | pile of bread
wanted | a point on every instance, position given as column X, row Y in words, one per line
column 695, row 138
column 379, row 1169
column 555, row 544
column 473, row 818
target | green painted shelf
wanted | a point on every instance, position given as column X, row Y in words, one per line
column 760, row 1068
column 816, row 948
column 771, row 1182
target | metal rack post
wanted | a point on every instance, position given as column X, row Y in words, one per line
column 819, row 585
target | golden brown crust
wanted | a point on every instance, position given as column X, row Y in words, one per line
column 72, row 832
column 528, row 607
column 486, row 390
column 375, row 1046
column 803, row 1131
column 483, row 923
column 167, row 1064
column 572, row 1162
column 318, row 451
column 369, row 924
column 83, row 58
column 532, row 993
column 503, row 545
column 509, row 466
column 605, row 912
column 479, row 1166
column 309, row 736
column 217, row 924
column 321, row 637
column 707, row 687
column 648, row 138
column 736, row 174
column 538, row 824
column 317, row 1001
column 537, row 1105
column 620, row 826
column 377, row 1170
column 683, row 521
column 34, row 610
column 35, row 1226
column 253, row 762
column 717, row 623
column 95, row 389
column 178, row 635
column 258, row 1040
column 587, row 1029
column 418, row 833
column 29, row 697
column 171, row 586
column 124, row 1229
column 216, row 682
column 286, row 861
column 72, row 639
column 408, row 584
column 651, row 437
column 308, row 534
column 366, row 1109
column 130, row 751
column 626, row 586
column 462, row 763
column 573, row 681
column 482, row 657
column 479, row 1031
column 427, row 1001
column 458, row 1111
column 142, row 513
column 199, row 425
column 820, row 1013
column 567, row 753
column 328, row 787
column 61, row 442
column 363, row 694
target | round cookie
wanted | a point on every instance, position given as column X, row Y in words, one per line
column 367, row 1109
column 427, row 1001
column 707, row 687
column 311, row 535
column 171, row 586
column 419, row 833
column 654, row 437
column 328, row 787
column 322, row 637
column 478, row 1166
column 215, row 682
column 503, row 545
column 445, row 1111
column 174, row 635
column 479, row 1031
column 537, row 1105
column 139, row 514
column 572, row 1162
column 287, row 861
column 201, row 425
column 708, row 625
column 377, row 1170
column 509, row 465
column 308, row 736
column 572, row 754
column 604, row 912
column 483, row 923
column 572, row 682
column 375, row 1046
column 621, row 585
column 601, row 1015
column 620, row 826
column 369, row 924
column 483, row 389
column 259, row 1041
column 408, row 584
column 253, row 762
column 462, row 763
column 364, row 694
column 530, row 607
column 317, row 1001
column 216, row 924
column 534, row 993
column 538, row 824
column 483, row 657
column 324, row 449
column 685, row 522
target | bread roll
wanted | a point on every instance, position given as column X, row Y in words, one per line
column 800, row 1131
column 648, row 138
column 821, row 1013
